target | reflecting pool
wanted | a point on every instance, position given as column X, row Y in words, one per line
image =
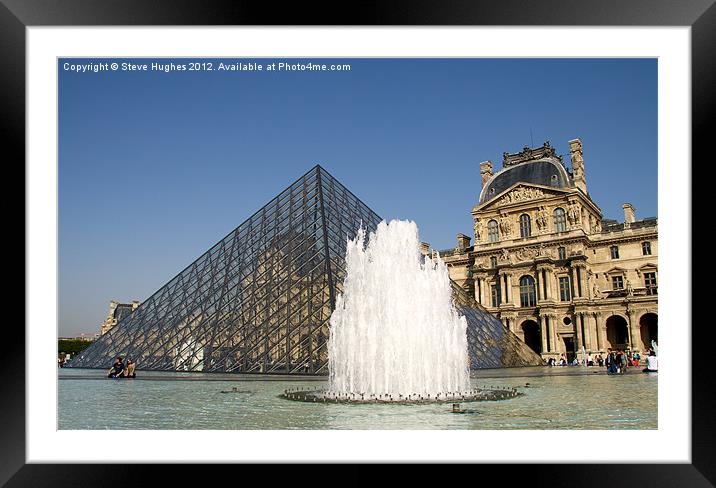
column 554, row 398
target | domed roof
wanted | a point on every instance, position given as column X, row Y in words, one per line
column 545, row 172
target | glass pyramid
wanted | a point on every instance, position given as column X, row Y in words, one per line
column 260, row 299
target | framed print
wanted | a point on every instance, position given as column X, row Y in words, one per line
column 236, row 227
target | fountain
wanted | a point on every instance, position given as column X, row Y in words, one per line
column 395, row 329
column 395, row 333
column 584, row 356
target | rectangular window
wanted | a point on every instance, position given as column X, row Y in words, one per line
column 493, row 261
column 646, row 248
column 617, row 283
column 564, row 290
column 493, row 234
column 614, row 250
column 562, row 253
column 650, row 283
column 525, row 225
column 495, row 290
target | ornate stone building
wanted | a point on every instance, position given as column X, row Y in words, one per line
column 117, row 311
column 550, row 266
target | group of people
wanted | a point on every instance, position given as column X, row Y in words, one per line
column 563, row 361
column 616, row 362
column 121, row 370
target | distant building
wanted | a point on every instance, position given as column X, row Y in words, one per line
column 88, row 337
column 117, row 311
column 547, row 263
column 81, row 337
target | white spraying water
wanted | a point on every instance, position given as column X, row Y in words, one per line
column 395, row 329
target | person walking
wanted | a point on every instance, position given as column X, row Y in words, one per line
column 622, row 362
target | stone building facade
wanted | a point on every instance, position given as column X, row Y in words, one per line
column 117, row 311
column 546, row 262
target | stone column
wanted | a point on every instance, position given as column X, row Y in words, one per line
column 573, row 280
column 577, row 288
column 556, row 347
column 595, row 329
column 580, row 281
column 503, row 292
column 543, row 333
column 547, row 333
column 509, row 289
column 588, row 341
column 508, row 324
column 633, row 330
column 538, row 291
column 548, row 280
column 578, row 327
column 601, row 329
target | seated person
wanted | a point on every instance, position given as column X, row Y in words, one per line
column 117, row 369
column 652, row 363
column 129, row 372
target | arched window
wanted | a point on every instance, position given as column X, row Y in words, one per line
column 525, row 225
column 560, row 221
column 493, row 234
column 527, row 292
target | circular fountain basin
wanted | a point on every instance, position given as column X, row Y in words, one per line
column 476, row 395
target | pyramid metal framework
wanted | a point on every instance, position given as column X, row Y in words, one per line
column 260, row 300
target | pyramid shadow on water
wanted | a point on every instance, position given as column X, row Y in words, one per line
column 259, row 300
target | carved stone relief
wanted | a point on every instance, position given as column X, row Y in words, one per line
column 542, row 219
column 505, row 226
column 478, row 230
column 521, row 194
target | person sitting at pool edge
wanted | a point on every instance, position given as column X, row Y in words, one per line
column 129, row 372
column 652, row 363
column 116, row 369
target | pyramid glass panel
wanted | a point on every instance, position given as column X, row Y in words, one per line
column 490, row 344
column 259, row 301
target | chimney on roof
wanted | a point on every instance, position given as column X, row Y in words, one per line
column 463, row 242
column 629, row 214
column 485, row 171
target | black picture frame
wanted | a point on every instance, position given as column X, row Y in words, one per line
column 16, row 15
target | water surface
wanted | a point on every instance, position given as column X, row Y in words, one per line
column 556, row 398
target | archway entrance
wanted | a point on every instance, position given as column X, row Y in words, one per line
column 649, row 323
column 617, row 332
column 532, row 335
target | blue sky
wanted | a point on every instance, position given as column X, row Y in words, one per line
column 155, row 167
